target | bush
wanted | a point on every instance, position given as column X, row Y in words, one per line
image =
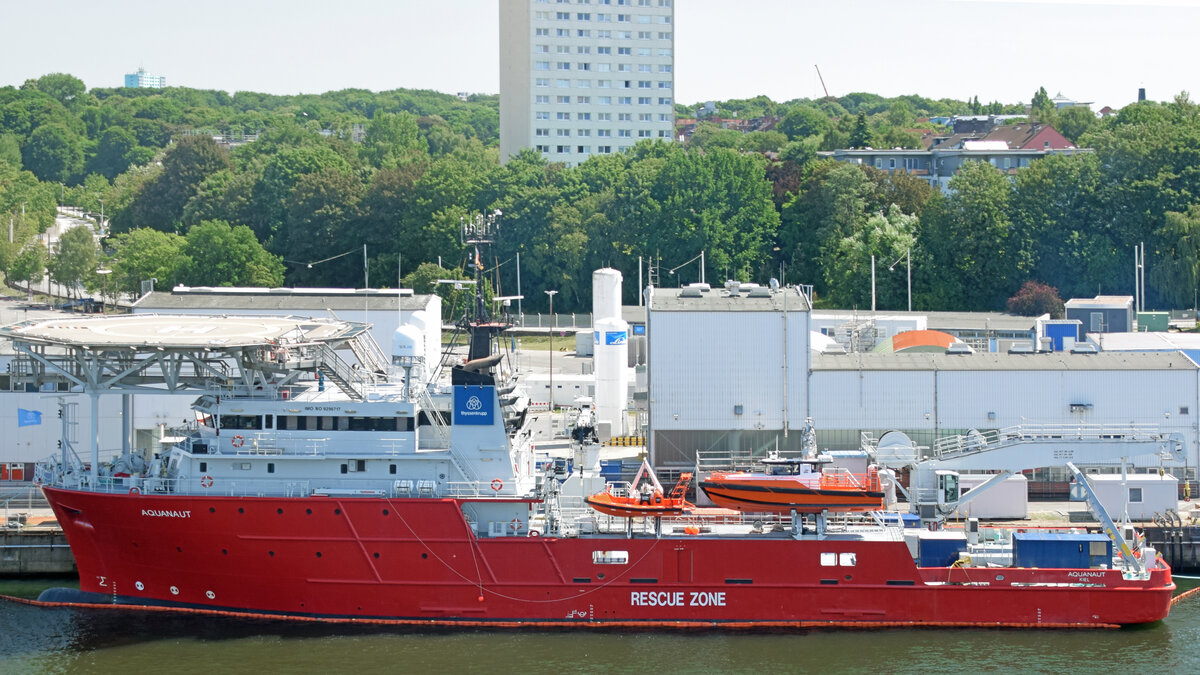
column 1035, row 299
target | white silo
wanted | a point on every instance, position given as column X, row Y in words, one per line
column 606, row 294
column 611, row 348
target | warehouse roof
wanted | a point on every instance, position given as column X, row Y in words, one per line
column 949, row 321
column 199, row 298
column 1145, row 341
column 997, row 361
column 746, row 299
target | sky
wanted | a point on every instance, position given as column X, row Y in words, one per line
column 1099, row 51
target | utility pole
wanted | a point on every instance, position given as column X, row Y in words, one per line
column 551, row 294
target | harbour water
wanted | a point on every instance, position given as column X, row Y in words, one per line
column 42, row 640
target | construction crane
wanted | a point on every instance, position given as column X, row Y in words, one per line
column 822, row 80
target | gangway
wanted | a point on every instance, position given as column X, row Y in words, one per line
column 934, row 486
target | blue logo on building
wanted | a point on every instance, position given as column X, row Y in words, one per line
column 615, row 337
column 474, row 405
column 28, row 418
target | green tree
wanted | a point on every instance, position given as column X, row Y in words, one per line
column 66, row 89
column 1074, row 122
column 74, row 261
column 215, row 254
column 1041, row 107
column 10, row 150
column 116, row 150
column 803, row 121
column 860, row 137
column 391, row 137
column 29, row 265
column 887, row 237
column 321, row 210
column 970, row 263
column 1177, row 269
column 184, row 167
column 1059, row 225
column 145, row 253
column 280, row 174
column 834, row 200
column 53, row 153
column 901, row 115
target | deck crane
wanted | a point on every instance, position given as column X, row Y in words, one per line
column 934, row 490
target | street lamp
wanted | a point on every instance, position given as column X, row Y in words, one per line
column 551, row 294
column 104, row 289
column 699, row 257
column 908, row 266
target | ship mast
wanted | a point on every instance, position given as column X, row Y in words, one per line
column 479, row 232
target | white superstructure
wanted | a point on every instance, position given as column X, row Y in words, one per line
column 584, row 77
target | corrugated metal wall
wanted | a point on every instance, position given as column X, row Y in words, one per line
column 927, row 404
column 703, row 365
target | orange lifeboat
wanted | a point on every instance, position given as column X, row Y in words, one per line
column 795, row 485
column 647, row 501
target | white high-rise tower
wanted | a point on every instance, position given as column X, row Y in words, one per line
column 585, row 77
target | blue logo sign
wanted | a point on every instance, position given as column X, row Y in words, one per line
column 615, row 337
column 474, row 405
column 28, row 418
column 596, row 337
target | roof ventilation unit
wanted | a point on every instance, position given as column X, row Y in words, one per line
column 760, row 293
column 959, row 348
column 690, row 292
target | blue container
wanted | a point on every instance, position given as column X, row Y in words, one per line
column 1062, row 551
column 905, row 520
column 940, row 551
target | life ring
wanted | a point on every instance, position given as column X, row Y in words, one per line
column 206, row 481
column 238, row 441
column 135, row 490
column 534, row 533
column 516, row 525
column 497, row 484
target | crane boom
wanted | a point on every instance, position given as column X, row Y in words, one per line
column 822, row 80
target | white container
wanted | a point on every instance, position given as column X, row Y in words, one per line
column 1007, row 501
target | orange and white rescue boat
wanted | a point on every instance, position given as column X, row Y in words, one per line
column 800, row 485
column 646, row 500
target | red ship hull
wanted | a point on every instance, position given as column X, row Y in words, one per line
column 416, row 559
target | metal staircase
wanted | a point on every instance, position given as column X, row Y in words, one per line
column 370, row 355
column 347, row 378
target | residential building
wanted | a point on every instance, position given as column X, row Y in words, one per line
column 143, row 80
column 1007, row 147
column 585, row 77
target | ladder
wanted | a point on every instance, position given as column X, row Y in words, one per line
column 680, row 489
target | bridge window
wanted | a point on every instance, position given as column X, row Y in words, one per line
column 241, row 422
